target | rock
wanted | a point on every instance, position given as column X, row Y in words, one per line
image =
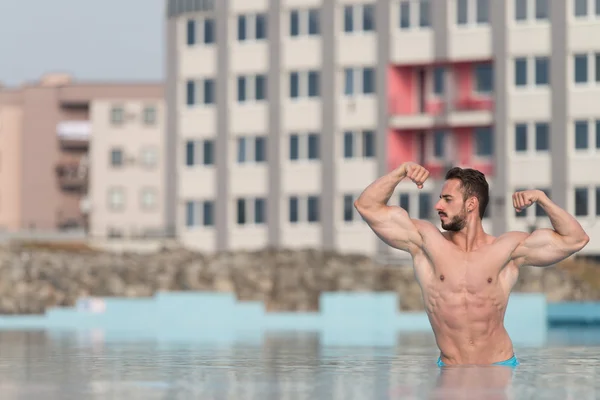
column 31, row 280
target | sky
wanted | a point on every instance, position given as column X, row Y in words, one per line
column 106, row 40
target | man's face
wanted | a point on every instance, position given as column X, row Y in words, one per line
column 451, row 207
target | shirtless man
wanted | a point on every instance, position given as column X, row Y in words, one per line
column 466, row 275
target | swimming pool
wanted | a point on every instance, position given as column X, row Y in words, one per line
column 85, row 364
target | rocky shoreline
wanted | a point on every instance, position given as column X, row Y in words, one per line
column 33, row 279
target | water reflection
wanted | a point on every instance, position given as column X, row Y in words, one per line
column 294, row 365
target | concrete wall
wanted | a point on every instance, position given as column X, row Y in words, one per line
column 344, row 319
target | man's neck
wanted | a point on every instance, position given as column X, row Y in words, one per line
column 471, row 237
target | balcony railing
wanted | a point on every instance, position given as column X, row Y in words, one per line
column 72, row 174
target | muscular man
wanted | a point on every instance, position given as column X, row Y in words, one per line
column 466, row 275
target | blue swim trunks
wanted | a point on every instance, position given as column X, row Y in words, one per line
column 511, row 362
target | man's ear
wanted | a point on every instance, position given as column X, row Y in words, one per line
column 472, row 204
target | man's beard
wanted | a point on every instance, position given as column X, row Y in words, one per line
column 456, row 224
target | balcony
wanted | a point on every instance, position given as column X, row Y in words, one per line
column 74, row 135
column 467, row 111
column 72, row 174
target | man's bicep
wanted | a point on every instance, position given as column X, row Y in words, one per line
column 541, row 248
column 394, row 226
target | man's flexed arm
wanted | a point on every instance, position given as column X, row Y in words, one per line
column 392, row 224
column 545, row 247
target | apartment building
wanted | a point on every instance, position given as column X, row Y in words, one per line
column 283, row 111
column 45, row 131
column 127, row 176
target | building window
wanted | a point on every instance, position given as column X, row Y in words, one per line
column 484, row 141
column 462, row 12
column 208, row 152
column 483, row 11
column 304, row 146
column 241, row 27
column 348, row 81
column 404, row 202
column 294, row 150
column 365, row 86
column 117, row 115
column 293, row 209
column 424, row 205
column 581, row 68
column 542, row 136
column 521, row 71
column 424, row 13
column 348, row 18
column 313, row 84
column 244, row 86
column 368, row 11
column 484, row 78
column 149, row 157
column 313, row 146
column 368, row 18
column 260, row 212
column 305, row 22
column 313, row 209
column 368, row 81
column 581, row 202
column 542, row 11
column 353, row 142
column 542, row 71
column 208, row 212
column 209, row 91
column 309, row 78
column 148, row 199
column 149, row 115
column 191, row 32
column 190, row 93
column 597, row 134
column 521, row 137
column 597, row 64
column 439, row 76
column 116, row 199
column 199, row 213
column 194, row 157
column 597, row 201
column 404, row 14
column 261, row 26
column 209, row 31
column 348, row 144
column 439, row 141
column 294, row 23
column 208, row 95
column 521, row 10
column 368, row 141
column 348, row 208
column 581, row 8
column 251, row 149
column 261, row 87
column 116, row 157
column 241, row 211
column 314, row 22
column 581, row 135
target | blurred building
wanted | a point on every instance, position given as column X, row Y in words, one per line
column 45, row 130
column 126, row 179
column 283, row 111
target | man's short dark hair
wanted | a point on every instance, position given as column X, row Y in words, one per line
column 473, row 183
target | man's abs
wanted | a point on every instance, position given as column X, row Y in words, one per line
column 470, row 329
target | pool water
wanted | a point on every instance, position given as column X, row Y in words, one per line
column 85, row 365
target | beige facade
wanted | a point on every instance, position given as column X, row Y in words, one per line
column 541, row 91
column 126, row 188
column 44, row 150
